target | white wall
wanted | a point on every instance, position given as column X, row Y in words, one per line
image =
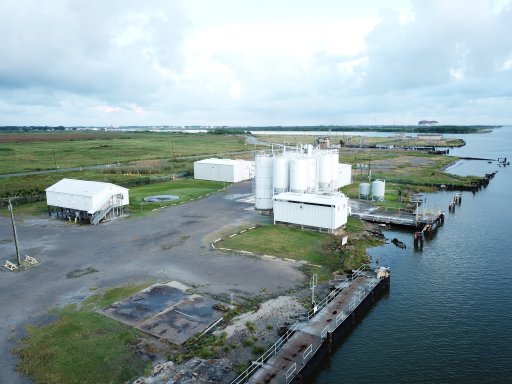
column 344, row 175
column 67, row 200
column 231, row 172
column 311, row 215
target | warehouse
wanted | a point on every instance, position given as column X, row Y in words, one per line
column 227, row 170
column 81, row 200
column 308, row 210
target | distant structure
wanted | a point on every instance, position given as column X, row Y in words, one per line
column 82, row 200
column 323, row 142
column 427, row 123
column 227, row 170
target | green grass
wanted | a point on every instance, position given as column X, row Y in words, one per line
column 315, row 247
column 186, row 189
column 82, row 346
column 282, row 241
column 40, row 151
column 290, row 242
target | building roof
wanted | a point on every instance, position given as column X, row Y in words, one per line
column 82, row 187
column 310, row 198
column 223, row 161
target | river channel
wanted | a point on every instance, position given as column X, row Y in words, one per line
column 448, row 315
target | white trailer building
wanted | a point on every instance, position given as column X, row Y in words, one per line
column 82, row 200
column 308, row 210
column 231, row 171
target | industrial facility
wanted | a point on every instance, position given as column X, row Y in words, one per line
column 86, row 201
column 301, row 186
column 227, row 170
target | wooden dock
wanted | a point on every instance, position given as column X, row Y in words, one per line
column 291, row 354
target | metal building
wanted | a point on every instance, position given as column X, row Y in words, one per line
column 230, row 171
column 317, row 211
column 82, row 200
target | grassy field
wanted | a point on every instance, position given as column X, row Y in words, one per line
column 40, row 151
column 82, row 346
column 314, row 247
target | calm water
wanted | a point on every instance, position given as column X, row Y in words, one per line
column 448, row 316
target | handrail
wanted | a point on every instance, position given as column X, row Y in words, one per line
column 245, row 375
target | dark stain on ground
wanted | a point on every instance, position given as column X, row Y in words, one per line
column 80, row 272
column 146, row 304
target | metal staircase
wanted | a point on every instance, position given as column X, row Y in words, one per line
column 112, row 202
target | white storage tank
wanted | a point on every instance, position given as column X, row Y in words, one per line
column 378, row 190
column 298, row 175
column 334, row 168
column 312, row 183
column 364, row 190
column 324, row 171
column 281, row 174
column 263, row 176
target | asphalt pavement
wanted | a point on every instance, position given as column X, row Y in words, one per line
column 170, row 244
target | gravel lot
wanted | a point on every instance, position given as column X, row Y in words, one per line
column 172, row 244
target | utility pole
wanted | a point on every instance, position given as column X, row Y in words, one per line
column 15, row 233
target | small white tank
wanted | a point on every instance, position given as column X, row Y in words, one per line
column 334, row 168
column 281, row 174
column 298, row 175
column 312, row 183
column 263, row 175
column 378, row 190
column 324, row 171
column 364, row 190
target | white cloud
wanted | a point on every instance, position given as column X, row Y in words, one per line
column 202, row 62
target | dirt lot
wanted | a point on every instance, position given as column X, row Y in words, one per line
column 172, row 244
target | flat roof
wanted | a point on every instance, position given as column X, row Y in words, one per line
column 309, row 198
column 82, row 187
column 223, row 161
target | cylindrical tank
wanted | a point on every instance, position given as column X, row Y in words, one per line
column 263, row 181
column 334, row 169
column 364, row 190
column 324, row 171
column 281, row 174
column 312, row 183
column 378, row 190
column 298, row 175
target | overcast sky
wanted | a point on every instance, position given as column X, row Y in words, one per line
column 245, row 62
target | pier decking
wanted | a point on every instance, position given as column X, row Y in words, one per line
column 368, row 212
column 287, row 358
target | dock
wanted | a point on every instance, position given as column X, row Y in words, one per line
column 364, row 211
column 314, row 332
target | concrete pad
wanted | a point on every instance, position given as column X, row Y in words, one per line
column 166, row 311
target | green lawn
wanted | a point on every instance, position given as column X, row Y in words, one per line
column 82, row 346
column 315, row 247
column 186, row 189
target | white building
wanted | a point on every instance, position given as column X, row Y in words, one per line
column 317, row 211
column 231, row 171
column 82, row 200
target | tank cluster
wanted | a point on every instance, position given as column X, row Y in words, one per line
column 302, row 170
column 374, row 191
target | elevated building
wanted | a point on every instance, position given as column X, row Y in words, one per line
column 82, row 200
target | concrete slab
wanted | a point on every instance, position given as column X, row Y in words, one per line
column 166, row 311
